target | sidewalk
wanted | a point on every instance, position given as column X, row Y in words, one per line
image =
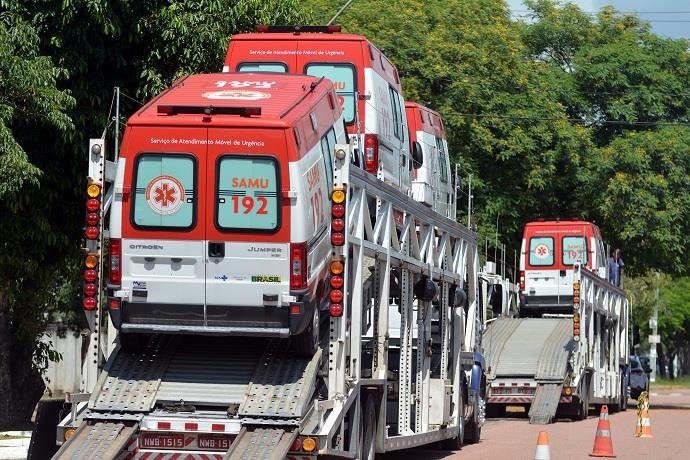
column 14, row 445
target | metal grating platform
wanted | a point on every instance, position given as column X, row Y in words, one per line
column 282, row 385
column 100, row 440
column 261, row 444
column 553, row 360
column 545, row 403
column 130, row 381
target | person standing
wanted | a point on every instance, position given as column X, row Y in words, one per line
column 616, row 267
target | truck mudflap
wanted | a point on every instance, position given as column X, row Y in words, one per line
column 545, row 403
column 102, row 440
column 258, row 443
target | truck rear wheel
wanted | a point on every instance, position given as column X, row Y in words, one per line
column 473, row 429
column 306, row 342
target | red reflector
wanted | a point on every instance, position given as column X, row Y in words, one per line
column 90, row 275
column 89, row 289
column 522, row 280
column 337, row 239
column 295, row 309
column 93, row 204
column 298, row 265
column 91, row 233
column 336, row 296
column 92, row 218
column 217, row 427
column 89, row 303
column 191, row 426
column 338, row 210
column 115, row 252
column 296, row 444
column 114, row 303
column 371, row 153
column 163, row 425
column 336, row 310
column 338, row 225
column 337, row 282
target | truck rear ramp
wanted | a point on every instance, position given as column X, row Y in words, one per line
column 270, row 390
column 532, row 350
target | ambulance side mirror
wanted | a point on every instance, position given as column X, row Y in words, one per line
column 417, row 155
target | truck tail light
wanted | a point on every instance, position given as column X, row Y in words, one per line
column 522, row 280
column 115, row 253
column 371, row 153
column 298, row 266
column 338, row 212
column 337, row 295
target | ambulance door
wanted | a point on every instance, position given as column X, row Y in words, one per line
column 163, row 226
column 248, row 245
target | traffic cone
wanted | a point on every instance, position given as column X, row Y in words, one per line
column 644, row 427
column 603, row 446
column 542, row 451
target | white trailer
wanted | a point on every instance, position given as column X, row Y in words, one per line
column 401, row 365
column 562, row 363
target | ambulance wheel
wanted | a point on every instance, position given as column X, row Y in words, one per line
column 307, row 342
column 132, row 343
column 367, row 431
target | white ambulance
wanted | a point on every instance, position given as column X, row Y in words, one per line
column 367, row 84
column 221, row 217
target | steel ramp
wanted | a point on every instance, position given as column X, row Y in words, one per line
column 545, row 403
column 282, row 385
column 262, row 444
column 101, row 440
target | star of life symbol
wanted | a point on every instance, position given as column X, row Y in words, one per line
column 165, row 195
column 542, row 251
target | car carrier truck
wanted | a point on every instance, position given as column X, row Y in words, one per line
column 558, row 358
column 398, row 362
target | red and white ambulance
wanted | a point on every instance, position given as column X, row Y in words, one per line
column 367, row 84
column 431, row 182
column 220, row 222
column 549, row 251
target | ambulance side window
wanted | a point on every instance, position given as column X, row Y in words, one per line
column 395, row 111
column 327, row 148
column 165, row 192
column 262, row 67
column 442, row 158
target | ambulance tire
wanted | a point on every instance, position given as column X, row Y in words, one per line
column 132, row 343
column 306, row 343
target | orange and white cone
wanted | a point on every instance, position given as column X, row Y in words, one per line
column 542, row 451
column 644, row 427
column 603, row 445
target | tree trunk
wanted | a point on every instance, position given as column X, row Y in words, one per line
column 661, row 360
column 20, row 383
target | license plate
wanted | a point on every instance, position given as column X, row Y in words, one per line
column 214, row 442
column 161, row 440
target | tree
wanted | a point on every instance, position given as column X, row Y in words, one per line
column 29, row 102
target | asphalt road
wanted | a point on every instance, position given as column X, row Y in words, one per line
column 515, row 438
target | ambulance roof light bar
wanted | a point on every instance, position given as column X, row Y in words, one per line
column 298, row 29
column 208, row 110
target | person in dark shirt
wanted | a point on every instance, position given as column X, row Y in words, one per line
column 616, row 268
